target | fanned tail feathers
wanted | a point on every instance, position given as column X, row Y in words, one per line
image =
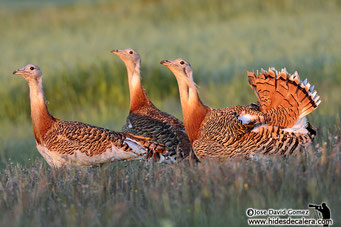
column 283, row 96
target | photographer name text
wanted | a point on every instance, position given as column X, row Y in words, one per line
column 252, row 212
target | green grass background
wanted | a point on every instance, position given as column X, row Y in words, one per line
column 71, row 42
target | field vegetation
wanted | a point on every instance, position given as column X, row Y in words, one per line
column 71, row 42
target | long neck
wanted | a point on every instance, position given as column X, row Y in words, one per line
column 193, row 110
column 138, row 96
column 41, row 119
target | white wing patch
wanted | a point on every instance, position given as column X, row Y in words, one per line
column 130, row 125
column 257, row 129
column 299, row 127
column 247, row 118
column 135, row 146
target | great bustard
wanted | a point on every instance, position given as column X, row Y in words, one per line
column 144, row 118
column 276, row 123
column 74, row 143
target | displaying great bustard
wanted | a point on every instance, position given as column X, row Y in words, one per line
column 144, row 118
column 276, row 124
column 74, row 143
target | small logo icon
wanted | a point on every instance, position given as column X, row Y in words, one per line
column 249, row 212
column 323, row 210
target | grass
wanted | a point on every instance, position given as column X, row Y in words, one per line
column 71, row 40
column 145, row 194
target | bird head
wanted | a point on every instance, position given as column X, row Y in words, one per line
column 29, row 72
column 128, row 56
column 180, row 68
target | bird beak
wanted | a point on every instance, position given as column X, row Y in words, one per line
column 18, row 72
column 114, row 51
column 165, row 62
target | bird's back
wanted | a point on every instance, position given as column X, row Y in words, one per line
column 224, row 126
column 223, row 135
column 77, row 143
column 148, row 121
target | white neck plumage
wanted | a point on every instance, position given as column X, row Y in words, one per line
column 134, row 78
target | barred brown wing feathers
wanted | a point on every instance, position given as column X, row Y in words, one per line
column 205, row 148
column 272, row 139
column 160, row 127
column 225, row 126
column 266, row 140
column 283, row 96
column 68, row 137
column 155, row 150
column 220, row 125
column 223, row 136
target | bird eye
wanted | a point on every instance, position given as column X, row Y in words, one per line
column 31, row 67
column 182, row 62
column 131, row 52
